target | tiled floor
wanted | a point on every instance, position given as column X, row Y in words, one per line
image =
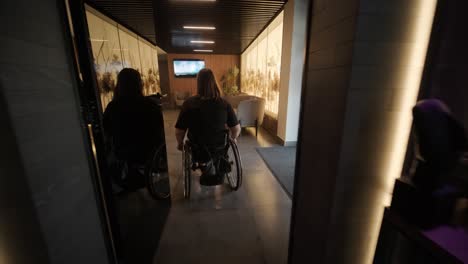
column 220, row 226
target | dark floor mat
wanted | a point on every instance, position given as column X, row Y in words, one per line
column 281, row 161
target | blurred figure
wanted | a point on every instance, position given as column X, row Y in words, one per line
column 440, row 144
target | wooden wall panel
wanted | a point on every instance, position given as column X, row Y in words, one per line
column 218, row 63
column 270, row 123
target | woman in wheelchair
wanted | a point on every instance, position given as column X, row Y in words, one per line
column 134, row 127
column 210, row 124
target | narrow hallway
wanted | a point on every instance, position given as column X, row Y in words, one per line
column 218, row 225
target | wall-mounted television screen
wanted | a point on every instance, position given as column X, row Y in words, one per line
column 187, row 67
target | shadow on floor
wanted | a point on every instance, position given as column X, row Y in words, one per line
column 142, row 222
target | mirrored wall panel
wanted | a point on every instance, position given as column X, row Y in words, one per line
column 114, row 47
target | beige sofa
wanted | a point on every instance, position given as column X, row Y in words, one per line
column 250, row 110
column 234, row 100
column 180, row 97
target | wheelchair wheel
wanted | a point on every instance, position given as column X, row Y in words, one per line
column 157, row 176
column 186, row 167
column 234, row 174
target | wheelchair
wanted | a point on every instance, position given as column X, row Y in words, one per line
column 225, row 159
column 153, row 174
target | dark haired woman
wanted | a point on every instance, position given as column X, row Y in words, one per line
column 132, row 122
column 205, row 116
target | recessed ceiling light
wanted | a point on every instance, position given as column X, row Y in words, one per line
column 191, row 1
column 202, row 41
column 202, row 50
column 200, row 27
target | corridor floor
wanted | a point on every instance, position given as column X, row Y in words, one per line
column 220, row 226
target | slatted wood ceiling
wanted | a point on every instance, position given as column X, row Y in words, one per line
column 237, row 22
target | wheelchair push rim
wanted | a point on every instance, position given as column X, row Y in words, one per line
column 157, row 175
column 234, row 176
column 186, row 165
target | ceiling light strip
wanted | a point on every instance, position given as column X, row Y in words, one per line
column 200, row 27
column 203, row 41
column 191, row 1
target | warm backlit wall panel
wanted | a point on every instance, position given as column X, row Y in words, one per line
column 149, row 67
column 261, row 63
column 105, row 46
column 130, row 49
column 114, row 48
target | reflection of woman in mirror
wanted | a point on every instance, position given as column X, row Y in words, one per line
column 133, row 123
column 440, row 145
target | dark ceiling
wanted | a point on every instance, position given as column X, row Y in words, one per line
column 237, row 22
column 137, row 15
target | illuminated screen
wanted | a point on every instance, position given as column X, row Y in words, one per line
column 187, row 68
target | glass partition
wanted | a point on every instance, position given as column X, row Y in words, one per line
column 106, row 53
column 115, row 47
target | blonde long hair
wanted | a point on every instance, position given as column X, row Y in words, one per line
column 207, row 86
